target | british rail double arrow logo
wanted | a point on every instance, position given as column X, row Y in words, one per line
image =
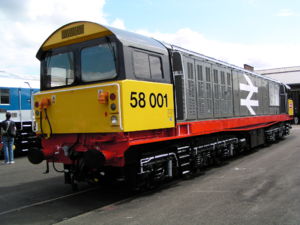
column 251, row 89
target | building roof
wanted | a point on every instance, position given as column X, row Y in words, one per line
column 287, row 75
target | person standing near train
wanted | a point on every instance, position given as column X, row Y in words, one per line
column 8, row 132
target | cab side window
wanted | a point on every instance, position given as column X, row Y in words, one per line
column 147, row 66
column 155, row 67
column 141, row 65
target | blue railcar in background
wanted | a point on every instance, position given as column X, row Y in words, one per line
column 16, row 97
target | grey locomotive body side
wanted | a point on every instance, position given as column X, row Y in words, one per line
column 205, row 88
column 210, row 89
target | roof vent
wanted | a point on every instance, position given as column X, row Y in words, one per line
column 73, row 31
column 248, row 67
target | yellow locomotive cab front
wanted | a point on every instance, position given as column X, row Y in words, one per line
column 121, row 106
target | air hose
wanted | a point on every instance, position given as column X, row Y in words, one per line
column 41, row 122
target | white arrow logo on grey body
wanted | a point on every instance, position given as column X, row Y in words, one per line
column 251, row 89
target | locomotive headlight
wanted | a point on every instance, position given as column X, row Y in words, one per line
column 114, row 120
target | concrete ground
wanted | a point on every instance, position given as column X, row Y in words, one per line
column 259, row 188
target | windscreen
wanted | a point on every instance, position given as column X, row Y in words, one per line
column 83, row 63
column 59, row 70
column 98, row 63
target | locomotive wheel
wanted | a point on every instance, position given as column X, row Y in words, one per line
column 131, row 178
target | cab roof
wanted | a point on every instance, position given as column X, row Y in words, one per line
column 83, row 30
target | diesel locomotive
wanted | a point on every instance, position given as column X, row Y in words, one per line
column 115, row 104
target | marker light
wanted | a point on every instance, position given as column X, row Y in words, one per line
column 36, row 104
column 112, row 96
column 113, row 107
